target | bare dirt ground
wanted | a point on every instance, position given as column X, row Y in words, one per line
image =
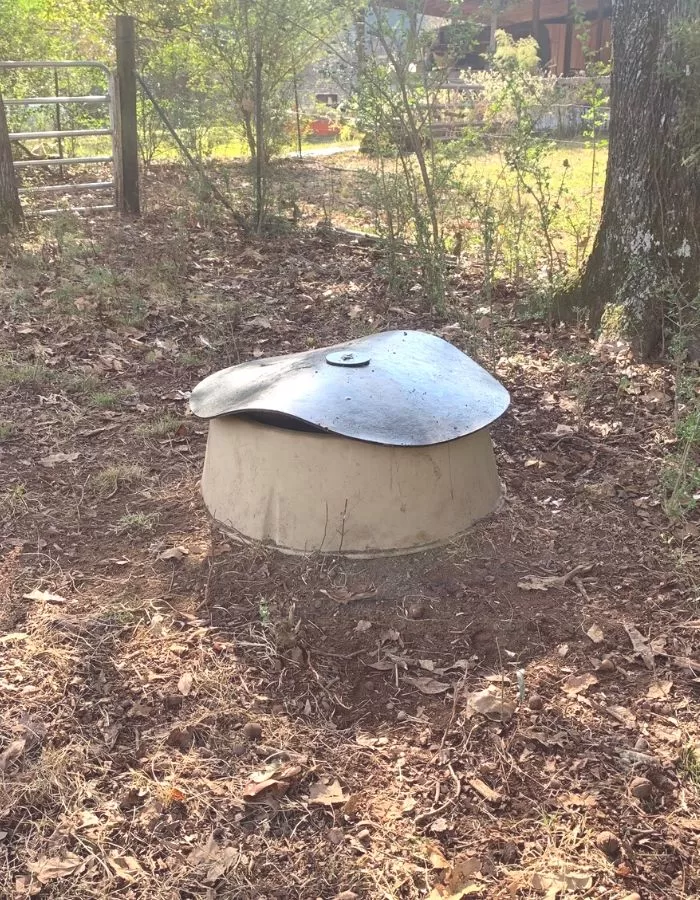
column 514, row 716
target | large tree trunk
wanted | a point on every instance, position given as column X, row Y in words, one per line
column 646, row 254
column 10, row 207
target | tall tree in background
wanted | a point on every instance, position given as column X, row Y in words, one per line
column 646, row 256
column 10, row 208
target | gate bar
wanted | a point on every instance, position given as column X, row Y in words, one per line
column 45, row 101
column 61, row 161
column 35, row 214
column 54, row 64
column 67, row 188
column 37, row 135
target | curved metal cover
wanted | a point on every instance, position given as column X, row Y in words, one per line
column 416, row 390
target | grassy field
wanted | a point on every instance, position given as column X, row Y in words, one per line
column 556, row 209
column 221, row 144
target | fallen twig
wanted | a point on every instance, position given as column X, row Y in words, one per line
column 439, row 810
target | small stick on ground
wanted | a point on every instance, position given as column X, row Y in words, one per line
column 439, row 810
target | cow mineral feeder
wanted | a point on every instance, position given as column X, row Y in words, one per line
column 374, row 447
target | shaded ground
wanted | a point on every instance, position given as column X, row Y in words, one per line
column 224, row 722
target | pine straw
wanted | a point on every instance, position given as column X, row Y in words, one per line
column 107, row 781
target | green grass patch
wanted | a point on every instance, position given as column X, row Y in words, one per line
column 13, row 501
column 16, row 373
column 191, row 359
column 689, row 764
column 107, row 399
column 161, row 427
column 110, row 479
column 137, row 522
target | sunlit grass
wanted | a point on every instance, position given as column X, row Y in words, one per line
column 135, row 522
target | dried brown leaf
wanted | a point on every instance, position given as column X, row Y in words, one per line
column 623, row 715
column 441, row 893
column 460, row 881
column 327, row 793
column 13, row 636
column 436, row 859
column 427, row 685
column 226, row 858
column 126, row 867
column 576, row 684
column 48, row 462
column 174, row 553
column 549, row 885
column 184, row 684
column 640, row 646
column 595, row 633
column 343, row 595
column 390, row 636
column 383, row 665
column 254, row 789
column 537, row 583
column 659, row 690
column 48, row 869
column 492, row 703
column 485, row 791
column 553, row 885
column 579, row 881
column 12, row 753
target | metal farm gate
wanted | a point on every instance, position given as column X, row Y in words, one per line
column 60, row 135
column 119, row 101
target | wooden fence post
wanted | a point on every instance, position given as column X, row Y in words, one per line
column 125, row 139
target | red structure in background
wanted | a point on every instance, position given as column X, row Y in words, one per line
column 324, row 127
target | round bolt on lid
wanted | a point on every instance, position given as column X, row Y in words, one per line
column 347, row 358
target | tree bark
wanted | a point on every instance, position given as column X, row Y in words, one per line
column 646, row 255
column 11, row 216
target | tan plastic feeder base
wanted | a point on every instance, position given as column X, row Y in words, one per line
column 305, row 492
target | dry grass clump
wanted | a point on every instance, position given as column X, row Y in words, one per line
column 109, row 480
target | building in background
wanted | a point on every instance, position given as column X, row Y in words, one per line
column 569, row 32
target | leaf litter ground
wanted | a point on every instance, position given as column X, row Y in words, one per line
column 181, row 717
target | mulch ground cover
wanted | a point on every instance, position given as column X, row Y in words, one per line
column 512, row 716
